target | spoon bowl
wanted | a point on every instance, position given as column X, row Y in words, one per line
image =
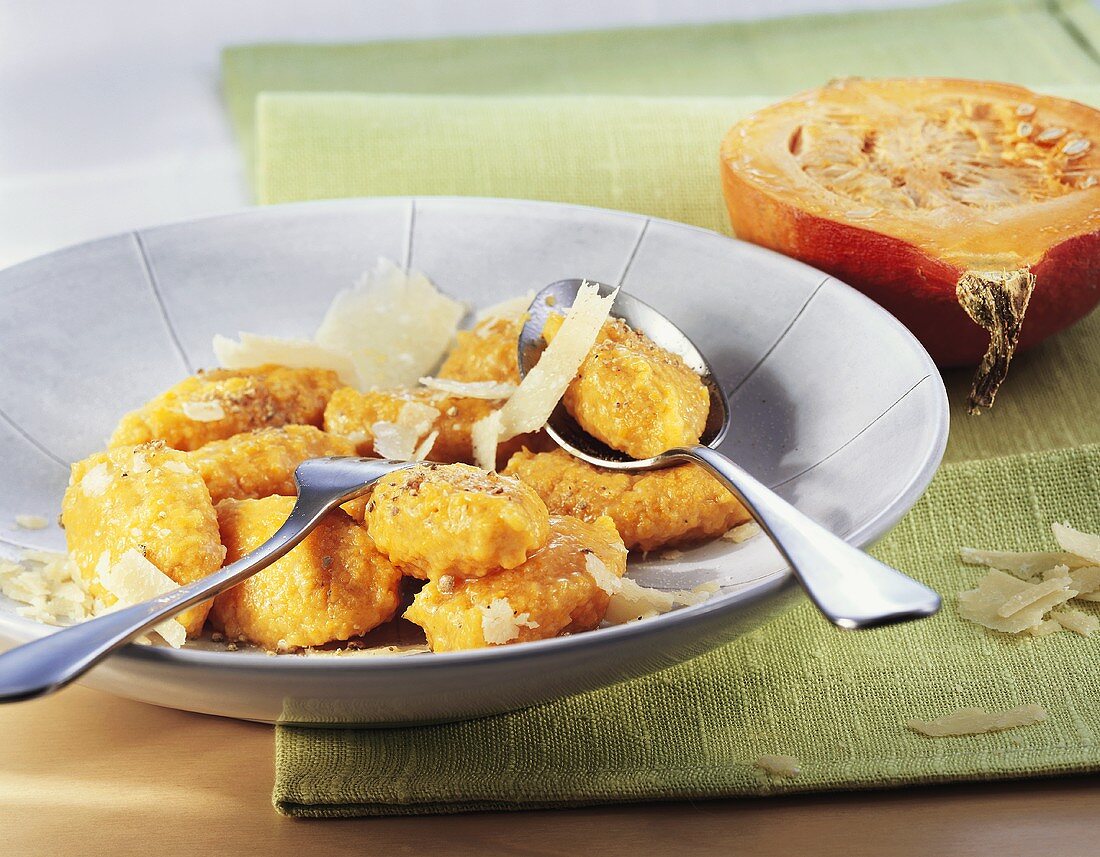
column 641, row 316
column 851, row 588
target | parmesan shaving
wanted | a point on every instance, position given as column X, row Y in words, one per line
column 417, row 416
column 633, row 601
column 31, row 522
column 499, row 622
column 1029, row 602
column 47, row 587
column 605, row 578
column 541, row 389
column 394, row 326
column 976, row 721
column 422, row 452
column 203, row 412
column 1074, row 620
column 484, row 437
column 1084, row 545
column 1023, row 564
column 397, row 441
column 779, row 766
column 490, row 390
column 1025, row 598
column 1087, row 583
column 254, row 350
column 742, row 532
column 1045, row 628
column 394, row 441
column 133, row 579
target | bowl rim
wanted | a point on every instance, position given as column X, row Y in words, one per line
column 19, row 629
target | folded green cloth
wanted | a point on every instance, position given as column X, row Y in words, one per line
column 534, row 117
column 1041, row 41
column 836, row 701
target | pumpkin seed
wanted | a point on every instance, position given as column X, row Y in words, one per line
column 1076, row 148
column 1050, row 135
column 1025, row 110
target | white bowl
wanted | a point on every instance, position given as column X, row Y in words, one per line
column 835, row 405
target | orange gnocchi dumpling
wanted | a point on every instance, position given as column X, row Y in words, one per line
column 261, row 463
column 651, row 510
column 455, row 519
column 146, row 498
column 223, row 402
column 563, row 588
column 333, row 586
column 420, row 411
column 488, row 352
column 633, row 395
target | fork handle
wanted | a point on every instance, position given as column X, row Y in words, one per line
column 48, row 664
column 852, row 589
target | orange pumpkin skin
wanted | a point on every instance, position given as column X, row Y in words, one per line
column 902, row 188
column 915, row 287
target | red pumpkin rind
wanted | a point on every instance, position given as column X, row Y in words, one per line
column 914, row 287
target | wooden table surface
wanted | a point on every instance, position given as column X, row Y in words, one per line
column 85, row 772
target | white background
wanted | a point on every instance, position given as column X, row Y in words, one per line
column 110, row 113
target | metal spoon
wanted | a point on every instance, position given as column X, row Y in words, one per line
column 50, row 663
column 852, row 589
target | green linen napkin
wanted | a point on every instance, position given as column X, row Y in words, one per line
column 406, row 117
column 1041, row 41
column 836, row 701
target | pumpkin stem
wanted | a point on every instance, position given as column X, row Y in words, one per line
column 997, row 301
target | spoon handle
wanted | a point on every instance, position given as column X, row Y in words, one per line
column 851, row 588
column 50, row 663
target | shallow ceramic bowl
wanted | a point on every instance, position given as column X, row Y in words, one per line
column 835, row 405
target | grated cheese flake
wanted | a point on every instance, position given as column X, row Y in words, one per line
column 398, row 440
column 255, row 350
column 203, row 412
column 422, row 452
column 490, row 390
column 1084, row 545
column 605, row 578
column 976, row 721
column 633, row 601
column 530, row 406
column 1087, row 582
column 1075, row 620
column 31, row 522
column 96, row 481
column 1044, row 628
column 1022, row 564
column 133, row 579
column 394, row 325
column 1026, row 597
column 484, row 437
column 47, row 587
column 983, row 605
column 742, row 532
column 394, row 441
column 500, row 623
column 779, row 766
column 417, row 416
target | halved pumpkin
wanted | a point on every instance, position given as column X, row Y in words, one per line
column 958, row 205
